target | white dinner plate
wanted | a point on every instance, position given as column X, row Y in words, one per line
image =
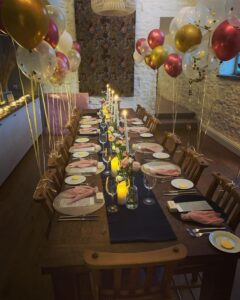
column 82, row 140
column 75, row 179
column 86, row 117
column 137, row 123
column 161, row 155
column 76, row 171
column 89, row 122
column 146, row 135
column 217, row 238
column 165, row 165
column 182, row 184
column 80, row 154
column 85, row 126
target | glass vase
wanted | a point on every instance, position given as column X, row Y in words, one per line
column 132, row 197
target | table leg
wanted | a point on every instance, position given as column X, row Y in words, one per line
column 218, row 280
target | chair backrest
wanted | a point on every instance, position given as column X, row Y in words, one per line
column 192, row 164
column 133, row 275
column 224, row 193
column 153, row 124
column 140, row 111
column 171, row 142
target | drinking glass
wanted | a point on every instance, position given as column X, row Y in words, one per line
column 107, row 156
column 111, row 189
column 103, row 139
column 149, row 183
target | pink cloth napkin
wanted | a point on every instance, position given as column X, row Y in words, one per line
column 83, row 163
column 79, row 192
column 83, row 145
column 91, row 129
column 160, row 171
column 134, row 120
column 138, row 129
column 151, row 148
column 204, row 217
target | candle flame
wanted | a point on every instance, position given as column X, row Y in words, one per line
column 124, row 113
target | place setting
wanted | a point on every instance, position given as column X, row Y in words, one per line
column 85, row 147
column 86, row 167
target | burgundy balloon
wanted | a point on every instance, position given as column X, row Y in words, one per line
column 155, row 38
column 139, row 44
column 52, row 36
column 63, row 57
column 226, row 41
column 76, row 46
column 173, row 65
column 2, row 28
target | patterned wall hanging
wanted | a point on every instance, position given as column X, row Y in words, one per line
column 113, row 7
column 107, row 44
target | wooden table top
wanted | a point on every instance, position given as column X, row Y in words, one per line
column 67, row 240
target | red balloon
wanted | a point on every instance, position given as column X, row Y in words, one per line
column 52, row 36
column 155, row 38
column 139, row 44
column 173, row 65
column 2, row 28
column 226, row 41
column 76, row 46
column 63, row 57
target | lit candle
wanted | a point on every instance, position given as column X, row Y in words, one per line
column 122, row 192
column 115, row 165
column 126, row 130
column 108, row 92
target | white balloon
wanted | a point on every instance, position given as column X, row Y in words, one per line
column 74, row 59
column 137, row 57
column 65, row 42
column 233, row 10
column 187, row 15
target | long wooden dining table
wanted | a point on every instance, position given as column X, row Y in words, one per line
column 62, row 257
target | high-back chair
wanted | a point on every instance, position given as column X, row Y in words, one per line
column 192, row 164
column 153, row 124
column 142, row 275
column 140, row 111
column 224, row 193
column 171, row 142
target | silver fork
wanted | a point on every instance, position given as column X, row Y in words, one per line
column 196, row 230
column 198, row 234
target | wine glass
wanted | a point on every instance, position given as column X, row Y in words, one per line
column 149, row 183
column 111, row 189
column 106, row 156
column 103, row 139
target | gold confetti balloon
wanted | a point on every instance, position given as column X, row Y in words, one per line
column 158, row 56
column 187, row 37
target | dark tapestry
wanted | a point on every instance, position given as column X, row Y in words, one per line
column 107, row 46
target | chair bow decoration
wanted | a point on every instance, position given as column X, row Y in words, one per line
column 118, row 8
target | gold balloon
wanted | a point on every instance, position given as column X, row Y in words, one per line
column 158, row 56
column 187, row 36
column 26, row 21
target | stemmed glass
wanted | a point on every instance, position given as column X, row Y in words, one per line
column 149, row 183
column 107, row 156
column 111, row 189
column 103, row 140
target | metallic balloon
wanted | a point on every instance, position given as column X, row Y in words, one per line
column 60, row 72
column 52, row 36
column 139, row 44
column 57, row 15
column 173, row 65
column 76, row 46
column 145, row 49
column 187, row 37
column 63, row 57
column 25, row 21
column 155, row 38
column 158, row 56
column 226, row 41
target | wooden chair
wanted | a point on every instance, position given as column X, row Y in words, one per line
column 223, row 192
column 171, row 142
column 134, row 275
column 153, row 124
column 192, row 164
column 140, row 111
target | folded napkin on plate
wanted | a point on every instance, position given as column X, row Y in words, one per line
column 90, row 129
column 134, row 120
column 160, row 171
column 83, row 163
column 203, row 217
column 138, row 129
column 78, row 193
column 83, row 145
column 151, row 148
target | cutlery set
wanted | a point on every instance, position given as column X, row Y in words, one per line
column 198, row 232
column 64, row 218
column 180, row 192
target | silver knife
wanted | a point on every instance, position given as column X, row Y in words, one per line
column 77, row 219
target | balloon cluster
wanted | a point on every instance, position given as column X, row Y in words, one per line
column 206, row 34
column 155, row 54
column 46, row 50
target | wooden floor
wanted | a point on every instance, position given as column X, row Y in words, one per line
column 22, row 227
